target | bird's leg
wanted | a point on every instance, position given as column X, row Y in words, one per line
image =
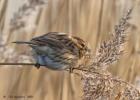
column 71, row 69
column 37, row 65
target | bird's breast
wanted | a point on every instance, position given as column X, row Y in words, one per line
column 50, row 63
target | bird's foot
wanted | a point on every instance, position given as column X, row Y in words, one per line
column 71, row 70
column 37, row 65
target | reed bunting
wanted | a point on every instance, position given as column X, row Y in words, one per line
column 58, row 51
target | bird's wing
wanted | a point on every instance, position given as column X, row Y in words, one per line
column 48, row 42
column 61, row 42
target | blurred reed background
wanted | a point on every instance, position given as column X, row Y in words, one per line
column 92, row 20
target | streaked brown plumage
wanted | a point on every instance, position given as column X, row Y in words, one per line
column 59, row 51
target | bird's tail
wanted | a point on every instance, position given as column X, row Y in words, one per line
column 22, row 42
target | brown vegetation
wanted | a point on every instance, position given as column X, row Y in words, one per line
column 92, row 20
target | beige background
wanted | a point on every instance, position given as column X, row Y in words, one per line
column 91, row 20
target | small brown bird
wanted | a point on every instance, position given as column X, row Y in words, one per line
column 58, row 51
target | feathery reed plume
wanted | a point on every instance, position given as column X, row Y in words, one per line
column 17, row 22
column 97, row 86
column 110, row 50
column 19, row 19
column 105, row 87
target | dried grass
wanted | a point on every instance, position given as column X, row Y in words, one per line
column 76, row 16
column 100, row 85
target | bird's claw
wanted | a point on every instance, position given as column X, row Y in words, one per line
column 37, row 65
column 71, row 70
